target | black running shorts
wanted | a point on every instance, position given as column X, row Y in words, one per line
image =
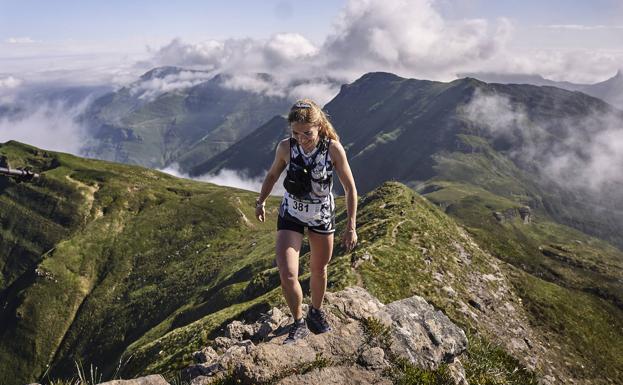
column 299, row 227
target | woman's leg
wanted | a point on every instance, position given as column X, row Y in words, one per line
column 288, row 249
column 321, row 251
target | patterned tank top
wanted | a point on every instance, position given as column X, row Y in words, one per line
column 318, row 206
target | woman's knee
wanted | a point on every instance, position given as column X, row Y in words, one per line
column 288, row 278
column 318, row 271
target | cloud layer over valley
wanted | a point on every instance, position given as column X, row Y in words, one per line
column 578, row 152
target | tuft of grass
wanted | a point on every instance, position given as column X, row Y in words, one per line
column 377, row 333
column 403, row 372
column 318, row 363
column 489, row 364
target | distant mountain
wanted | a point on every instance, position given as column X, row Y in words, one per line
column 416, row 132
column 251, row 154
column 610, row 90
column 130, row 269
column 173, row 115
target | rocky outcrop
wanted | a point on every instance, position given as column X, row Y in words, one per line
column 366, row 339
column 524, row 212
column 155, row 379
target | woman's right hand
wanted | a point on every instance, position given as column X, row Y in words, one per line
column 260, row 212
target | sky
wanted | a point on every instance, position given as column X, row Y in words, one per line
column 309, row 48
column 115, row 41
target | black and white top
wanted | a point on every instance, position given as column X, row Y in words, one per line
column 317, row 207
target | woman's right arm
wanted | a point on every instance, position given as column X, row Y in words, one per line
column 282, row 155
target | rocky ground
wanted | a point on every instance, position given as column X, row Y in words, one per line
column 368, row 340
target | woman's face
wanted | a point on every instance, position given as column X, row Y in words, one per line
column 306, row 134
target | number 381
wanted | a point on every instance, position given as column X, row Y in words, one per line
column 300, row 206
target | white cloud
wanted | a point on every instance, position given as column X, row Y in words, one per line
column 320, row 91
column 579, row 152
column 573, row 65
column 410, row 38
column 151, row 88
column 229, row 178
column 176, row 53
column 20, row 40
column 286, row 47
column 52, row 126
column 254, row 83
column 9, row 87
column 9, row 82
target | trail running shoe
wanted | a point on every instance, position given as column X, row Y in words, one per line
column 298, row 330
column 317, row 320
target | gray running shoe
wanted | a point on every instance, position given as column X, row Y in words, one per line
column 298, row 330
column 317, row 320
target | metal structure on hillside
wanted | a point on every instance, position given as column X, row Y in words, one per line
column 18, row 174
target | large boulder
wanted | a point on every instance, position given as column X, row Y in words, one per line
column 367, row 335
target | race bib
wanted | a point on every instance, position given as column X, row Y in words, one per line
column 305, row 211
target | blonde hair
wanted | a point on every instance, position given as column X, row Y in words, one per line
column 307, row 111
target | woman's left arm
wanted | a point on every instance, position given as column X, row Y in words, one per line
column 340, row 164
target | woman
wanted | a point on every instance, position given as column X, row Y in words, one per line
column 311, row 155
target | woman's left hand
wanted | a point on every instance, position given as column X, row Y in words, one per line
column 349, row 239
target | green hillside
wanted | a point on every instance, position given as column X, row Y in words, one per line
column 252, row 154
column 95, row 255
column 107, row 263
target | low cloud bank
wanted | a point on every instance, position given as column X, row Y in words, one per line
column 582, row 153
column 229, row 178
column 149, row 89
column 52, row 126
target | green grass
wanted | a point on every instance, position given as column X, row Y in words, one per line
column 571, row 286
column 489, row 364
column 146, row 268
column 142, row 250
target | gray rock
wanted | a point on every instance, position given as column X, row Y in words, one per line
column 207, row 380
column 526, row 214
column 204, row 355
column 246, row 344
column 201, row 370
column 238, row 331
column 223, row 343
column 337, row 375
column 457, row 372
column 355, row 302
column 233, row 355
column 269, row 323
column 424, row 335
column 373, row 358
column 154, row 379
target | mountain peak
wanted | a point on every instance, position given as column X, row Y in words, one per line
column 160, row 72
column 386, row 76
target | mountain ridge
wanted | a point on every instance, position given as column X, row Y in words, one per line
column 609, row 90
column 168, row 262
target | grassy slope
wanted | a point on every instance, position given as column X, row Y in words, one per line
column 398, row 270
column 145, row 245
column 157, row 265
column 570, row 282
